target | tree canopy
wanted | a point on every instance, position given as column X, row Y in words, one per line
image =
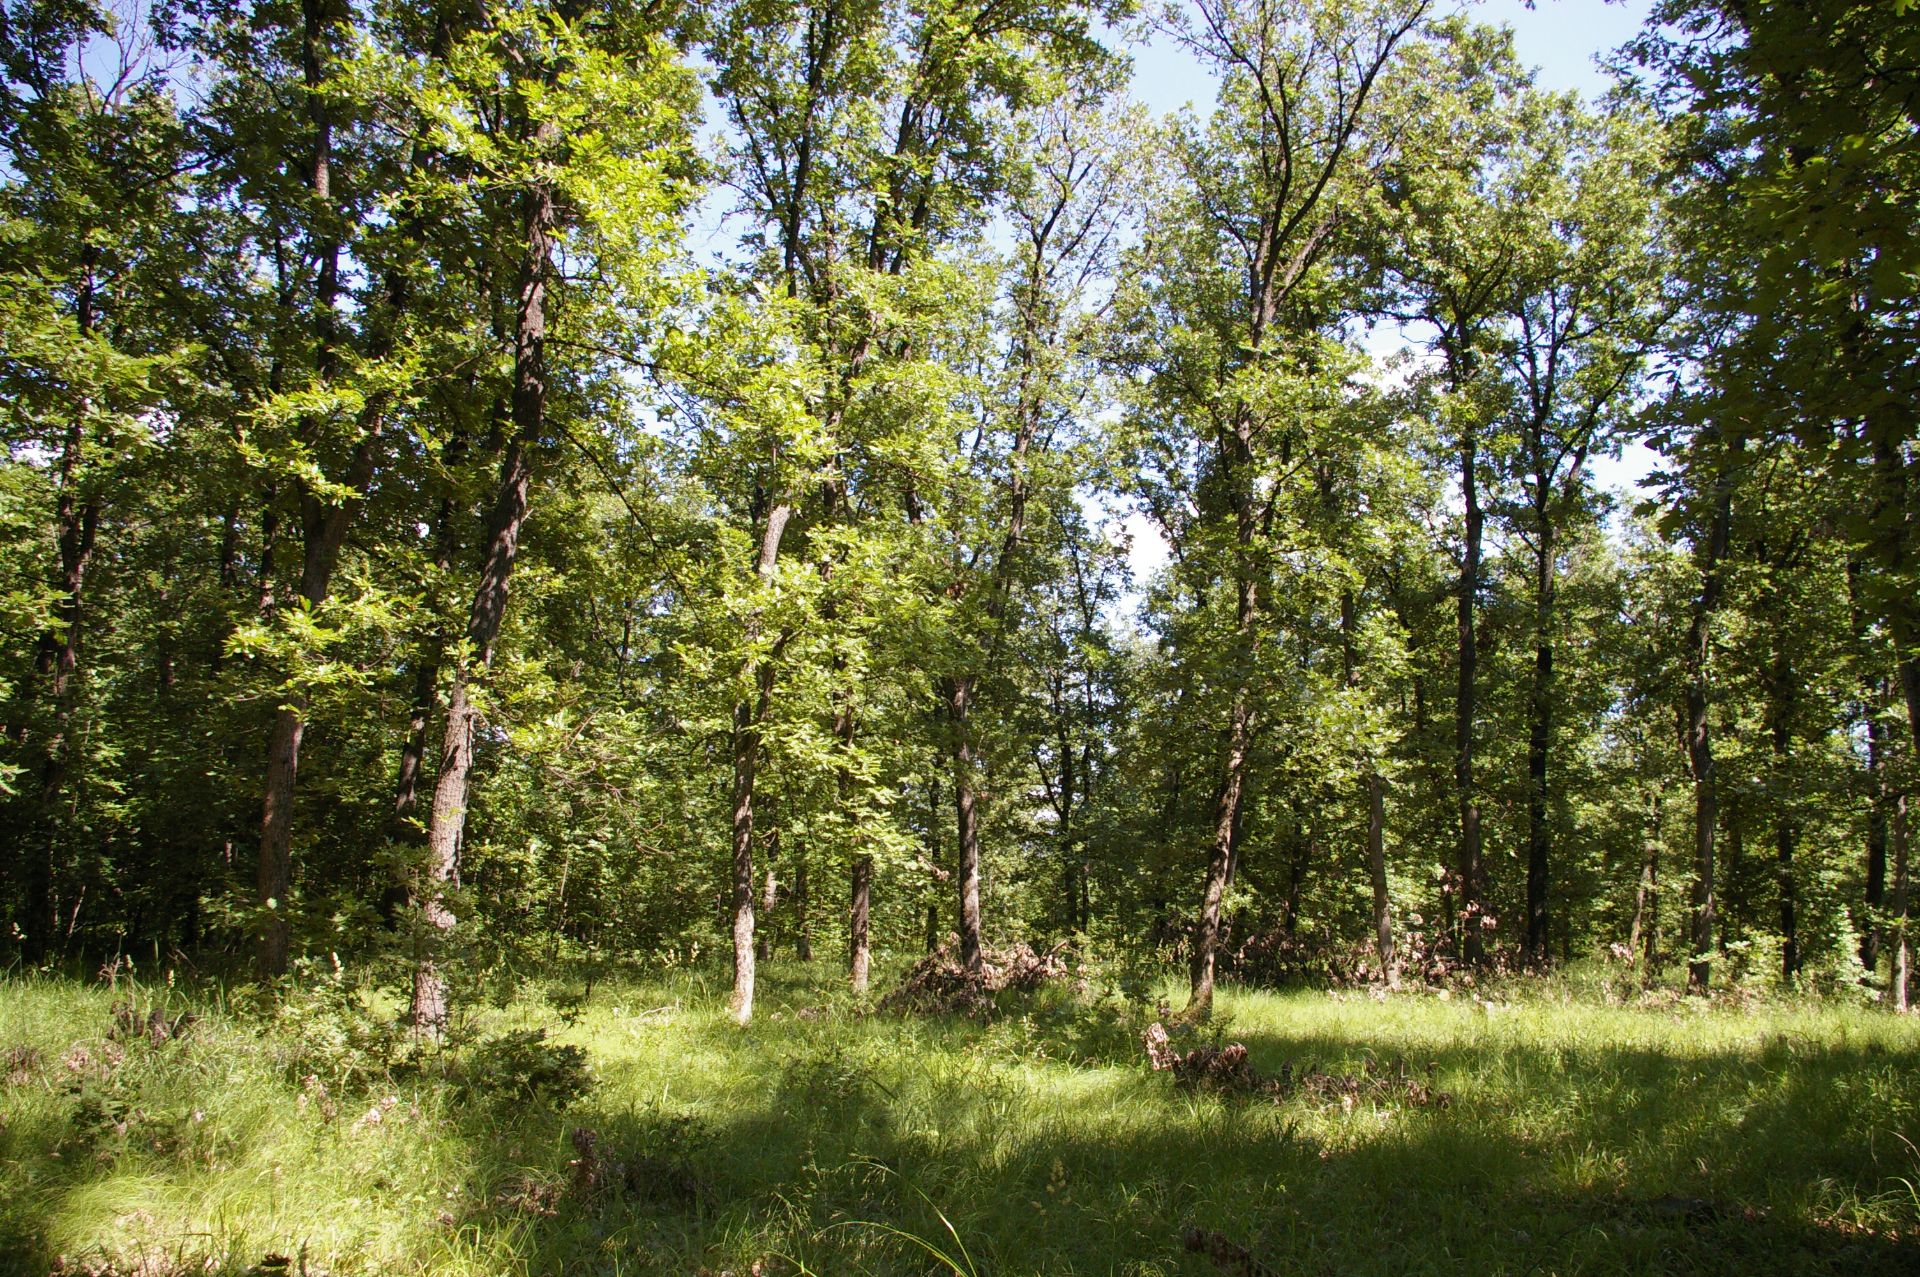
column 538, row 480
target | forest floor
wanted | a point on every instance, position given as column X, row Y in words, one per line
column 1530, row 1128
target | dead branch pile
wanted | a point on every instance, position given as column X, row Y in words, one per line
column 131, row 1022
column 1224, row 1253
column 941, row 983
column 634, row 1174
column 19, row 1064
column 1224, row 1067
column 1228, row 1068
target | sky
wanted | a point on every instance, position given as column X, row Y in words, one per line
column 1561, row 40
column 1558, row 38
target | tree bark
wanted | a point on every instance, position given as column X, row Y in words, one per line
column 860, row 882
column 1236, row 459
column 960, row 691
column 1735, row 912
column 274, row 877
column 413, row 751
column 78, row 521
column 769, row 900
column 1306, row 844
column 1896, row 553
column 933, row 861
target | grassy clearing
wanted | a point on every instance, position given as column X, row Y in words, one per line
column 1580, row 1137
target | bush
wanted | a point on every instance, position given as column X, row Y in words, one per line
column 523, row 1064
column 326, row 1030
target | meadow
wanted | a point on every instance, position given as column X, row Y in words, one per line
column 1574, row 1125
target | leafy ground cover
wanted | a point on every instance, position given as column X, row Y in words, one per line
column 1535, row 1128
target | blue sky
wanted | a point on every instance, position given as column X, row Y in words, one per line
column 1558, row 38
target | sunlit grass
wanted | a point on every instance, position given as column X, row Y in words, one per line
column 1578, row 1136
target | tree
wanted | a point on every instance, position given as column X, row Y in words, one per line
column 867, row 144
column 1586, row 313
column 1265, row 186
column 580, row 127
column 1459, row 207
column 95, row 157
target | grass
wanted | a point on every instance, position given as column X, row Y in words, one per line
column 1579, row 1136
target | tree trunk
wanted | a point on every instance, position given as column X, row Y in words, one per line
column 275, row 872
column 1377, row 876
column 326, row 530
column 860, row 885
column 1891, row 471
column 1237, row 460
column 1646, row 898
column 1226, row 819
column 446, row 825
column 1305, row 848
column 1539, row 745
column 323, row 526
column 933, row 860
column 1376, row 808
column 859, row 956
column 1736, row 912
column 78, row 527
column 1467, row 870
column 1699, row 739
column 749, row 716
column 859, row 909
column 56, row 659
column 413, row 751
column 960, row 689
column 1901, row 976
column 1064, row 807
column 1894, row 536
column 769, row 899
column 802, row 905
column 966, row 821
column 423, row 701
column 1785, row 830
column 1891, row 427
column 1879, row 795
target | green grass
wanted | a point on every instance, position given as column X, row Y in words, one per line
column 1580, row 1137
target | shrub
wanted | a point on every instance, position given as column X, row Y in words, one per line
column 523, row 1064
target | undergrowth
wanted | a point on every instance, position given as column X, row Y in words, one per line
column 1588, row 1129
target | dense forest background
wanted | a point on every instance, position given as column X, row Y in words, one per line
column 417, row 548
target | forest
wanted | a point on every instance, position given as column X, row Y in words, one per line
column 715, row 609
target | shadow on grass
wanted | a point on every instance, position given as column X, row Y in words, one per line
column 834, row 1143
column 916, row 1146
